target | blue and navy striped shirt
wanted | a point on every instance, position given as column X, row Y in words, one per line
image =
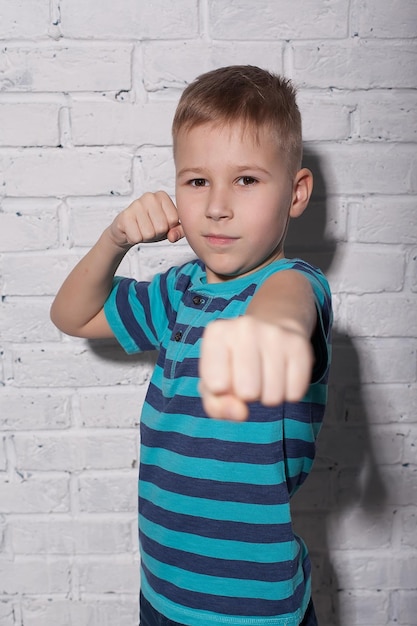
column 216, row 538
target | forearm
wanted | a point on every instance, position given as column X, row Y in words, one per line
column 264, row 355
column 286, row 299
column 83, row 294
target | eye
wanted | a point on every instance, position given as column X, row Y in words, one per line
column 198, row 182
column 247, row 180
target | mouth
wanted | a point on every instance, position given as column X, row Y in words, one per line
column 220, row 240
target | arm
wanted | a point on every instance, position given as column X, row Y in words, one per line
column 78, row 307
column 264, row 355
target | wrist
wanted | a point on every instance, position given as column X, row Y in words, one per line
column 293, row 326
column 108, row 241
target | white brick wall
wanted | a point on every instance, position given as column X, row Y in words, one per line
column 87, row 93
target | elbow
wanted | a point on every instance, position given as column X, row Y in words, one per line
column 53, row 315
column 59, row 320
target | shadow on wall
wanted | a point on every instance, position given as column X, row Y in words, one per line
column 344, row 491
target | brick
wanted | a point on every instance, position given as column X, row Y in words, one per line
column 325, row 118
column 319, row 227
column 64, row 172
column 311, row 528
column 357, row 571
column 408, row 528
column 32, row 124
column 266, row 54
column 317, row 493
column 76, row 364
column 3, row 528
column 101, row 409
column 102, row 612
column 321, row 572
column 360, row 268
column 82, row 536
column 388, row 485
column 7, row 613
column 34, row 409
column 407, row 607
column 68, row 67
column 410, row 444
column 400, row 125
column 407, row 578
column 88, row 217
column 130, row 19
column 381, row 404
column 388, row 360
column 171, row 65
column 109, row 492
column 113, row 575
column 381, row 315
column 412, row 262
column 26, row 320
column 2, row 369
column 28, row 231
column 158, row 169
column 350, row 446
column 355, row 64
column 76, row 451
column 324, row 607
column 3, row 456
column 272, row 22
column 34, row 494
column 50, row 270
column 27, row 576
column 118, row 123
column 399, row 20
column 156, row 258
column 386, row 220
column 374, row 361
column 354, row 169
column 20, row 20
column 355, row 529
column 366, row 608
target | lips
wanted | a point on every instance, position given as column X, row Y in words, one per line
column 219, row 240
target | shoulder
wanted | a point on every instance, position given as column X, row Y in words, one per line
column 313, row 274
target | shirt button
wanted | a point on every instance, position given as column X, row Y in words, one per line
column 197, row 300
column 178, row 336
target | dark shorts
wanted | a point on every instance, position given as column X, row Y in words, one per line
column 150, row 617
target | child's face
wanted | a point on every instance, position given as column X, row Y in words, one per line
column 233, row 197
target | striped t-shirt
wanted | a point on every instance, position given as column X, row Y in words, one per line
column 216, row 539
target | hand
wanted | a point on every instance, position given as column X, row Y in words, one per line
column 153, row 217
column 244, row 360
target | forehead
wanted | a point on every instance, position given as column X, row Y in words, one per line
column 242, row 135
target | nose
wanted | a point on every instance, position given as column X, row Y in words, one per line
column 219, row 205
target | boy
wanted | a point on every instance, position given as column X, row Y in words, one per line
column 242, row 335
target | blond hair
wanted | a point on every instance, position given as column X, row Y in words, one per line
column 248, row 95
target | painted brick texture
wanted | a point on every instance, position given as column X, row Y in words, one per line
column 87, row 93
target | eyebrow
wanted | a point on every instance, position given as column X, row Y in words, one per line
column 194, row 170
column 240, row 168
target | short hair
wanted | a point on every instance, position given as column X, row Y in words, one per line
column 245, row 94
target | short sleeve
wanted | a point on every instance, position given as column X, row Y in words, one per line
column 321, row 338
column 139, row 312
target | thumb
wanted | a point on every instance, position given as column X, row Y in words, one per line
column 175, row 233
column 225, row 407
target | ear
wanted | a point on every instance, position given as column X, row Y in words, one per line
column 302, row 188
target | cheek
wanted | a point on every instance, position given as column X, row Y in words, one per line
column 181, row 205
column 189, row 221
column 266, row 229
